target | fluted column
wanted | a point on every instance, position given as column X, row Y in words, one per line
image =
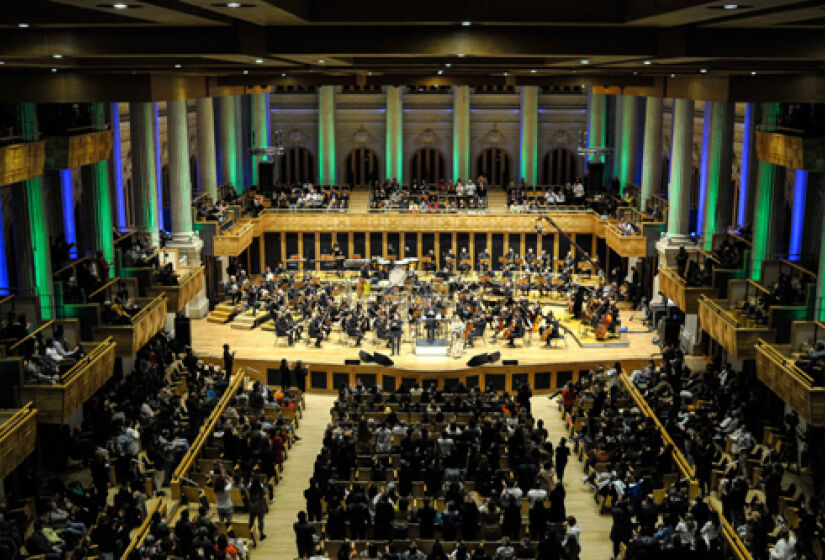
column 461, row 132
column 765, row 224
column 529, row 133
column 259, row 129
column 117, row 191
column 819, row 300
column 597, row 103
column 681, row 170
column 326, row 135
column 230, row 167
column 719, row 193
column 207, row 174
column 180, row 185
column 144, row 178
column 627, row 141
column 394, row 134
column 652, row 152
column 747, row 171
column 96, row 199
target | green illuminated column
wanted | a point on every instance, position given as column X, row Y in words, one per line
column 719, row 194
column 395, row 134
column 819, row 302
column 230, row 166
column 259, row 129
column 461, row 132
column 597, row 103
column 34, row 263
column 627, row 141
column 326, row 135
column 96, row 199
column 180, row 185
column 207, row 174
column 652, row 154
column 529, row 133
column 764, row 215
column 681, row 170
column 144, row 175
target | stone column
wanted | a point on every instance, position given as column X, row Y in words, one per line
column 230, row 168
column 627, row 141
column 34, row 263
column 747, row 171
column 595, row 121
column 144, row 177
column 681, row 171
column 529, row 133
column 765, row 224
column 259, row 129
column 461, row 132
column 117, row 192
column 719, row 194
column 207, row 174
column 96, row 199
column 652, row 153
column 816, row 230
column 394, row 134
column 326, row 135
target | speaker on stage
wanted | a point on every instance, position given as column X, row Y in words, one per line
column 349, row 363
column 365, row 357
column 509, row 363
column 183, row 331
column 478, row 360
column 382, row 359
column 494, row 357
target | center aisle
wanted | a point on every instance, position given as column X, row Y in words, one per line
column 595, row 541
column 289, row 494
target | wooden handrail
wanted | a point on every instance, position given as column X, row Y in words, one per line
column 142, row 531
column 104, row 287
column 708, row 255
column 86, row 361
column 721, row 311
column 801, row 269
column 6, row 299
column 145, row 311
column 785, row 363
column 72, row 264
column 759, row 287
column 208, row 428
column 32, row 334
column 23, row 413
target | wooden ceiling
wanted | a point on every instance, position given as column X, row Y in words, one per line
column 742, row 51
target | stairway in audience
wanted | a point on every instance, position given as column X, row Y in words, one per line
column 222, row 312
column 359, row 200
column 496, row 199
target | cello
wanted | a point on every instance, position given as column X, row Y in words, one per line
column 604, row 323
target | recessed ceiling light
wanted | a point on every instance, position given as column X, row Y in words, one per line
column 635, row 73
column 283, row 74
column 120, row 6
column 233, row 4
column 54, row 70
column 753, row 73
column 730, row 6
column 585, row 61
column 448, row 65
column 321, row 61
column 466, row 23
column 460, row 55
column 177, row 65
column 246, row 71
column 22, row 25
column 703, row 70
column 369, row 73
column 673, row 75
column 506, row 74
column 2, row 62
column 533, row 71
column 648, row 62
column 58, row 56
column 259, row 61
column 440, row 72
column 574, row 71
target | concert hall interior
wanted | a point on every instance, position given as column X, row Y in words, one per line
column 360, row 276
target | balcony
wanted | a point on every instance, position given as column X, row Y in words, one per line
column 56, row 403
column 144, row 325
column 189, row 284
column 675, row 288
column 19, row 162
column 734, row 332
column 79, row 149
column 234, row 241
column 18, row 434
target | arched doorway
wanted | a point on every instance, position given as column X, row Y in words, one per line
column 558, row 167
column 297, row 166
column 361, row 167
column 496, row 165
column 427, row 164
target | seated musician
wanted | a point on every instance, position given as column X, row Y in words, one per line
column 431, row 265
column 518, row 329
column 382, row 331
column 449, row 256
column 464, row 260
column 353, row 325
column 553, row 325
column 510, row 256
column 431, row 319
column 252, row 299
column 391, row 252
column 284, row 327
column 479, row 324
column 484, row 260
column 316, row 330
column 528, row 259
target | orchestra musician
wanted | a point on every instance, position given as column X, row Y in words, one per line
column 353, row 326
column 484, row 261
column 316, row 330
column 431, row 319
column 432, row 265
column 395, row 333
column 464, row 261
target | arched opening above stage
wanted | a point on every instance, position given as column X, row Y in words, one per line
column 427, row 164
column 495, row 164
column 361, row 167
column 558, row 167
column 297, row 166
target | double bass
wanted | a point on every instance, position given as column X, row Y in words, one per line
column 604, row 323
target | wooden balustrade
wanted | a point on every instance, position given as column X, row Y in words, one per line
column 737, row 339
column 234, row 242
column 789, row 382
column 189, row 284
column 55, row 403
column 18, row 347
column 20, row 162
column 18, row 433
column 143, row 530
column 634, row 245
column 675, row 288
column 182, row 471
column 72, row 152
column 144, row 325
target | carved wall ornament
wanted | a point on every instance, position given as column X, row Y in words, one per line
column 295, row 137
column 494, row 137
column 362, row 136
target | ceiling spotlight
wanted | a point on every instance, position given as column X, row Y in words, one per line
column 648, row 62
column 57, row 56
column 259, row 61
column 730, row 6
column 54, row 70
column 177, row 65
column 703, row 70
column 635, row 73
column 22, row 25
column 753, row 72
column 460, row 55
column 466, row 23
column 506, row 74
column 2, row 62
column 120, row 6
column 673, row 75
column 369, row 73
column 448, row 65
column 440, row 72
column 585, row 61
column 233, row 4
column 321, row 61
column 246, row 71
column 533, row 71
column 283, row 74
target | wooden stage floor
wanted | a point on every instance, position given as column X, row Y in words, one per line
column 208, row 340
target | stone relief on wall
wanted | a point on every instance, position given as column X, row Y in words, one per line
column 494, row 137
column 427, row 137
column 295, row 137
column 560, row 138
column 362, row 136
